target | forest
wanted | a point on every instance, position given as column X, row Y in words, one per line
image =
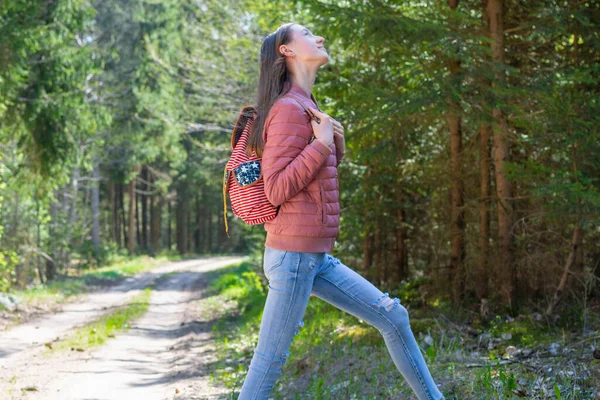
column 471, row 178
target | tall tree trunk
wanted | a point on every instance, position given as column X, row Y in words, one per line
column 72, row 211
column 155, row 220
column 96, row 207
column 114, row 227
column 180, row 220
column 401, row 256
column 198, row 227
column 137, row 220
column 378, row 267
column 457, row 218
column 481, row 287
column 51, row 263
column 169, row 224
column 209, row 232
column 144, row 198
column 123, row 215
column 368, row 255
column 74, row 190
column 501, row 156
column 485, row 132
column 368, row 240
column 132, row 206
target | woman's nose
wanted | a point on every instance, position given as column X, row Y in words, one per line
column 321, row 39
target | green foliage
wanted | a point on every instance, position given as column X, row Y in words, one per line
column 496, row 382
column 8, row 263
column 246, row 288
column 121, row 84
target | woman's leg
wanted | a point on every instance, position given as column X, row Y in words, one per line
column 290, row 276
column 347, row 290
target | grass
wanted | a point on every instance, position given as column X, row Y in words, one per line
column 98, row 332
column 335, row 355
column 66, row 287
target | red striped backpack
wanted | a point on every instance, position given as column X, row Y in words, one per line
column 243, row 179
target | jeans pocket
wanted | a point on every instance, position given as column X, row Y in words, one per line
column 273, row 259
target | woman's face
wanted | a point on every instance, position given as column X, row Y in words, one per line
column 305, row 47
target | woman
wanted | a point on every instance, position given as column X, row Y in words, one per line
column 300, row 177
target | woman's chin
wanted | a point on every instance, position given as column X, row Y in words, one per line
column 325, row 60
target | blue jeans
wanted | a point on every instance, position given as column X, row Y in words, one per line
column 293, row 277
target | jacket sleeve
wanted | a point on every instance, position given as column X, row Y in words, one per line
column 289, row 163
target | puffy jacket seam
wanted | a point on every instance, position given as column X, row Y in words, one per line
column 278, row 122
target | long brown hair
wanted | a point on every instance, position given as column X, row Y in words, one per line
column 273, row 82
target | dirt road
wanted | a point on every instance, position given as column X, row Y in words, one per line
column 166, row 354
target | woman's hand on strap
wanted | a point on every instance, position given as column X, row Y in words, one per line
column 324, row 129
column 338, row 135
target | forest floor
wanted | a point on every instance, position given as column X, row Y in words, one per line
column 191, row 328
column 337, row 356
column 165, row 351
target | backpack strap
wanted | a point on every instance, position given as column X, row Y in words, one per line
column 247, row 113
column 314, row 117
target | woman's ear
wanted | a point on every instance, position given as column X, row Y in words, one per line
column 286, row 51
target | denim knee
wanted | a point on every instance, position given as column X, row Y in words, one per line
column 394, row 312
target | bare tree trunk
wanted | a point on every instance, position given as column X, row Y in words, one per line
column 51, row 264
column 144, row 199
column 481, row 287
column 72, row 211
column 220, row 228
column 96, row 207
column 209, row 233
column 575, row 244
column 401, row 267
column 74, row 189
column 179, row 221
column 368, row 255
column 378, row 255
column 401, row 257
column 123, row 215
column 155, row 221
column 482, row 274
column 501, row 156
column 170, row 222
column 198, row 226
column 132, row 206
column 457, row 218
column 137, row 220
column 114, row 227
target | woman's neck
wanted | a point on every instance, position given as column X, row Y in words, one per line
column 305, row 79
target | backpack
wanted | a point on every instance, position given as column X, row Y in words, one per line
column 242, row 177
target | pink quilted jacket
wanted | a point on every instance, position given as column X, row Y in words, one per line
column 301, row 177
